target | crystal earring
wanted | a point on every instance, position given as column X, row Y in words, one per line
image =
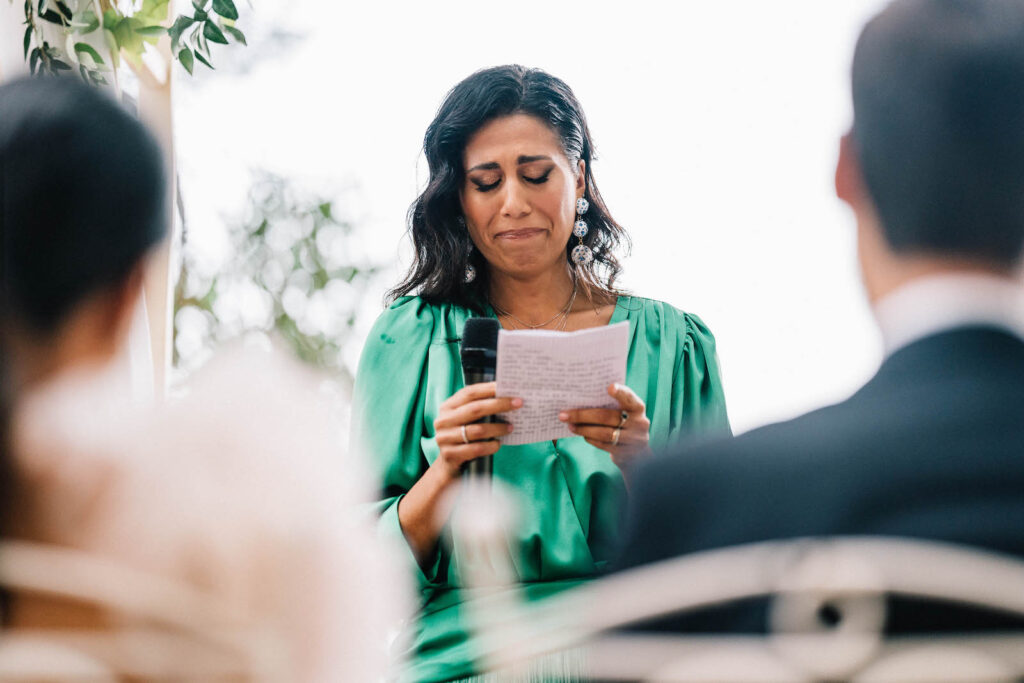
column 470, row 273
column 582, row 255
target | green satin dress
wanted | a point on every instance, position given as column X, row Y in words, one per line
column 569, row 493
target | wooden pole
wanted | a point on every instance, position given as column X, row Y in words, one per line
column 156, row 110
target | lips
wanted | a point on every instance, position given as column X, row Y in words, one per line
column 519, row 233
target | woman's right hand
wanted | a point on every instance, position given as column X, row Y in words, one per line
column 459, row 436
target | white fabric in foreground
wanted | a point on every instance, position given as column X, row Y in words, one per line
column 240, row 489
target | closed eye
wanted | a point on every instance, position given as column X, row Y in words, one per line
column 538, row 180
column 482, row 187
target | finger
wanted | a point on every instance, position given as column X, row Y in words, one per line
column 592, row 416
column 471, row 412
column 627, row 398
column 474, row 432
column 463, row 453
column 605, row 435
column 471, row 392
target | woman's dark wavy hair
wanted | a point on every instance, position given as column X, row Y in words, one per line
column 442, row 242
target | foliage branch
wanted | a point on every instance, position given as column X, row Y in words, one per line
column 292, row 275
column 94, row 36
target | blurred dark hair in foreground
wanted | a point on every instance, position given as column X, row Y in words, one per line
column 83, row 190
column 938, row 98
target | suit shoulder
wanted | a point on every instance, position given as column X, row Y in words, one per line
column 778, row 446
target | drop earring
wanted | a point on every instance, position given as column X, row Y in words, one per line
column 470, row 273
column 582, row 255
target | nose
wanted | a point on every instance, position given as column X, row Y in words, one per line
column 515, row 203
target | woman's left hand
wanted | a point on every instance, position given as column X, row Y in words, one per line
column 624, row 433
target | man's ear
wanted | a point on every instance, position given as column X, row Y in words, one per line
column 848, row 179
column 122, row 300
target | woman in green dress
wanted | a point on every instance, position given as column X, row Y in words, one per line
column 498, row 233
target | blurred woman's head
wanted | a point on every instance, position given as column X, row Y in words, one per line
column 509, row 152
column 83, row 193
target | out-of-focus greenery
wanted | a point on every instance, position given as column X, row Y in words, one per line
column 291, row 273
column 74, row 35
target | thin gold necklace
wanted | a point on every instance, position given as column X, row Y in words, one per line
column 563, row 313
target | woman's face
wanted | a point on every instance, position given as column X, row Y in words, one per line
column 519, row 196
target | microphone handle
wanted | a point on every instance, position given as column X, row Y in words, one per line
column 484, row 465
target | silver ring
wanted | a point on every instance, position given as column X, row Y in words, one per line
column 465, row 437
column 615, row 436
column 623, row 418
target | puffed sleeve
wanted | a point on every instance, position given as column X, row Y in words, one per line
column 700, row 399
column 387, row 416
column 685, row 396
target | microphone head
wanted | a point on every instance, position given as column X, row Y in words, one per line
column 480, row 343
column 480, row 333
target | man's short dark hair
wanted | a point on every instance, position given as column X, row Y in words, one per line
column 938, row 97
column 82, row 197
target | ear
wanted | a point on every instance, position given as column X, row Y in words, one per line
column 581, row 178
column 848, row 179
column 121, row 303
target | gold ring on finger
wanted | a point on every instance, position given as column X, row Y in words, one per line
column 465, row 437
column 622, row 418
column 615, row 436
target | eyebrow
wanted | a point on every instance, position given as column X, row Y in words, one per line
column 490, row 166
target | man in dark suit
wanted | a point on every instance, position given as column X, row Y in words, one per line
column 933, row 446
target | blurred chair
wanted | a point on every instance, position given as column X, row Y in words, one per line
column 143, row 627
column 849, row 577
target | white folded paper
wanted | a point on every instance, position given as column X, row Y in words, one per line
column 556, row 371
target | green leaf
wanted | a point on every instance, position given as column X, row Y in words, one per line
column 28, row 40
column 199, row 4
column 180, row 24
column 225, row 8
column 87, row 22
column 111, row 19
column 64, row 10
column 236, row 34
column 201, row 58
column 127, row 38
column 153, row 11
column 58, row 65
column 33, row 62
column 84, row 48
column 115, row 50
column 201, row 43
column 52, row 17
column 151, row 31
column 213, row 33
column 185, row 57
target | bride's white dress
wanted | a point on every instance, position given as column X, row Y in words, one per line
column 241, row 490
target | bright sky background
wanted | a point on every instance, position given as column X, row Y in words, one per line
column 716, row 124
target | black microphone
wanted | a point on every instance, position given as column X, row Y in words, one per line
column 479, row 358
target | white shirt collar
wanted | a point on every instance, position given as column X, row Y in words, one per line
column 933, row 304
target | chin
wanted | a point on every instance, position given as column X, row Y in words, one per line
column 528, row 267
